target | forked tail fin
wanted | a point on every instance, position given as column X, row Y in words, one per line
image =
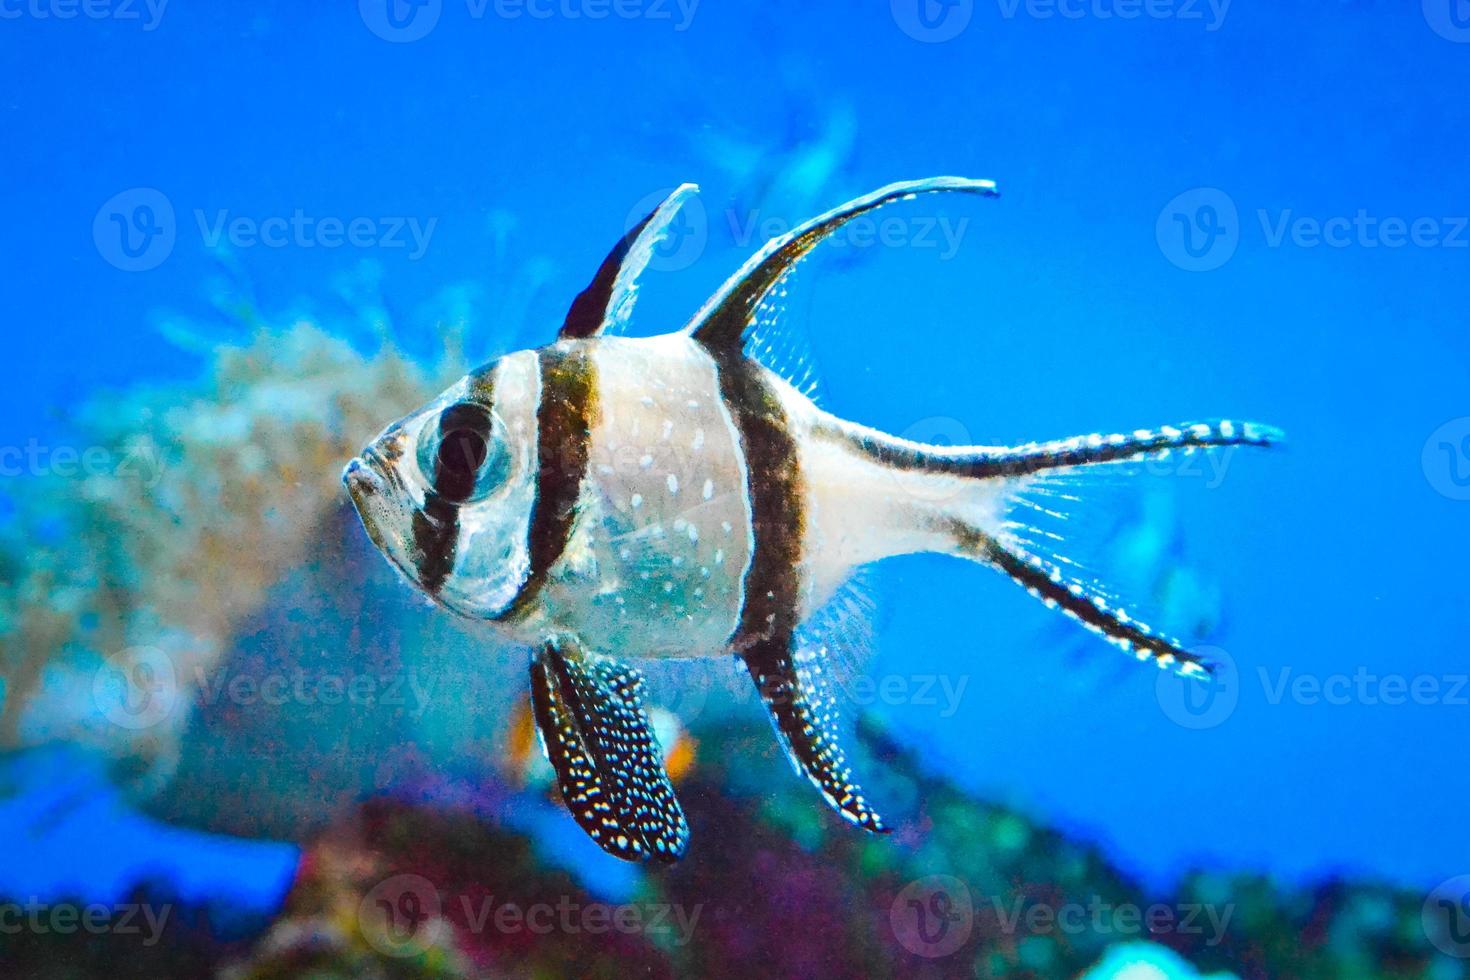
column 975, row 525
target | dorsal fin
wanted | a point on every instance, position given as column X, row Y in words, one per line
column 722, row 323
column 609, row 298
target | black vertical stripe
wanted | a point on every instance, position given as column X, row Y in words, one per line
column 563, row 437
column 771, row 606
column 464, row 435
column 436, row 527
column 766, row 636
column 435, row 540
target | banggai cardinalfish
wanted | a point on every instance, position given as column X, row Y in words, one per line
column 610, row 498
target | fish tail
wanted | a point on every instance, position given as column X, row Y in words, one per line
column 958, row 500
column 1077, row 600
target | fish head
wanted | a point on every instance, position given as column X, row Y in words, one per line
column 446, row 492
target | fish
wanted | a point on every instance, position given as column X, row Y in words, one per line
column 609, row 499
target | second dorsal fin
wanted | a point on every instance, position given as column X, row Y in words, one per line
column 723, row 322
column 609, row 298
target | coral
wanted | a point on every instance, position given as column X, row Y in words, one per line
column 405, row 889
column 214, row 495
column 1146, row 961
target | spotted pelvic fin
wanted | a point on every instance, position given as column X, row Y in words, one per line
column 596, row 735
column 723, row 322
column 607, row 302
column 804, row 714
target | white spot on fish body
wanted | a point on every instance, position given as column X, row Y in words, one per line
column 673, row 482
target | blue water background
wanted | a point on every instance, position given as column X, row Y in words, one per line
column 1060, row 313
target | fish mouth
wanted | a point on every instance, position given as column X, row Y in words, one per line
column 370, row 487
column 385, row 508
column 362, row 481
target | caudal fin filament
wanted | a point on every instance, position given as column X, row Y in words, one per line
column 986, row 462
column 1047, row 582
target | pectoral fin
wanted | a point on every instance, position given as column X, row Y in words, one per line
column 609, row 767
column 804, row 714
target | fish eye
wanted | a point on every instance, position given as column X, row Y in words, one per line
column 460, row 457
column 462, row 452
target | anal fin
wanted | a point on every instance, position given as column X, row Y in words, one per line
column 804, row 714
column 609, row 767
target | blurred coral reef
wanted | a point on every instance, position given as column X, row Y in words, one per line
column 220, row 492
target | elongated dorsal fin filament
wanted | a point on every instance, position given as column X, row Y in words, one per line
column 723, row 322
